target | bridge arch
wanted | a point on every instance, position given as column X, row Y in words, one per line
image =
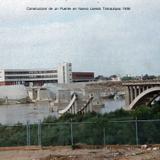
column 146, row 97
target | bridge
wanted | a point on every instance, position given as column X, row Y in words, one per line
column 73, row 108
column 34, row 92
column 141, row 93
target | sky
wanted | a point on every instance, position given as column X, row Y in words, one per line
column 105, row 42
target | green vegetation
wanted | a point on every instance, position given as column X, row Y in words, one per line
column 127, row 78
column 2, row 101
column 118, row 127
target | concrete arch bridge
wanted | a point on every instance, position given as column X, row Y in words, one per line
column 74, row 109
column 141, row 93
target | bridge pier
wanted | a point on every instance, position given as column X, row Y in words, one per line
column 128, row 95
column 38, row 94
column 34, row 94
column 135, row 92
column 76, row 109
column 131, row 94
column 139, row 90
column 90, row 107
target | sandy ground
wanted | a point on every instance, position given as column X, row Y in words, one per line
column 82, row 153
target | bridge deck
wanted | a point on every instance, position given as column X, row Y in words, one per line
column 145, row 82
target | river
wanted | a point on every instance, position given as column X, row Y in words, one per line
column 12, row 114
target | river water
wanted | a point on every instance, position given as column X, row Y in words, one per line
column 112, row 105
column 12, row 114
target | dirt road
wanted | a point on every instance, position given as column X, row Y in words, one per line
column 82, row 153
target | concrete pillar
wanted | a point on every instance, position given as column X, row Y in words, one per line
column 38, row 94
column 75, row 106
column 85, row 110
column 139, row 90
column 143, row 88
column 34, row 94
column 71, row 109
column 132, row 93
column 58, row 97
column 135, row 92
column 90, row 106
column 127, row 96
column 30, row 93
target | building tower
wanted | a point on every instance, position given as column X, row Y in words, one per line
column 65, row 73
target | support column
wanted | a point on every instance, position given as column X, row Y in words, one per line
column 139, row 90
column 90, row 106
column 143, row 88
column 128, row 96
column 75, row 105
column 72, row 109
column 38, row 94
column 131, row 92
column 135, row 92
column 85, row 110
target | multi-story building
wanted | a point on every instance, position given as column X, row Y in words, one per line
column 37, row 77
column 82, row 76
column 62, row 74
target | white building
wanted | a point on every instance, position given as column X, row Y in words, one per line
column 65, row 73
column 62, row 74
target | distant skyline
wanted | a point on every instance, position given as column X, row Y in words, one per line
column 105, row 42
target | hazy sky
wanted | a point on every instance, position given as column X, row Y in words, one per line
column 106, row 42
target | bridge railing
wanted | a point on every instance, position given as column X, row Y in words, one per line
column 129, row 82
